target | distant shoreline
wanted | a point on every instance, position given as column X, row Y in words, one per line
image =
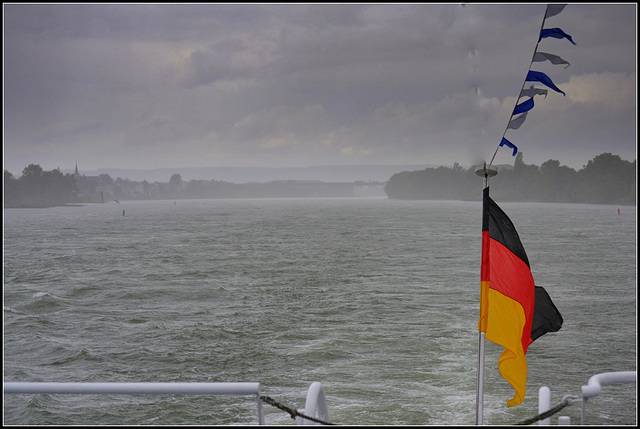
column 245, row 175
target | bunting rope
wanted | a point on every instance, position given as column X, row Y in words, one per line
column 535, row 76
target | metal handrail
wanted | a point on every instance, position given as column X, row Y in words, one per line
column 139, row 389
column 594, row 386
column 592, row 389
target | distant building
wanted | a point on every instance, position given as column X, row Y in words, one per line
column 88, row 187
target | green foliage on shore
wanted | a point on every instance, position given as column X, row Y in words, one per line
column 38, row 188
column 607, row 179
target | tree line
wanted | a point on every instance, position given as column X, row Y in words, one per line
column 607, row 179
column 39, row 188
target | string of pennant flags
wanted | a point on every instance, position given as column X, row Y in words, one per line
column 513, row 310
column 519, row 114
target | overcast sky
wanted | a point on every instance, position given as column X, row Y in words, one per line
column 204, row 85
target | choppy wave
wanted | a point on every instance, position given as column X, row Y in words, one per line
column 376, row 299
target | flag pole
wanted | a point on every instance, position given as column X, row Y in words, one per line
column 485, row 173
column 480, row 382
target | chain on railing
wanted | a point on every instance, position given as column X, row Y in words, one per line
column 568, row 400
column 292, row 412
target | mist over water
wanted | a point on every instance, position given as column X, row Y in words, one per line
column 375, row 298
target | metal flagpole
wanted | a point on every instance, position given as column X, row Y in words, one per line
column 485, row 173
column 480, row 383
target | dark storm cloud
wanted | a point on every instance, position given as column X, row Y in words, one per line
column 159, row 85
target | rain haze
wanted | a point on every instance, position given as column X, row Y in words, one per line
column 137, row 86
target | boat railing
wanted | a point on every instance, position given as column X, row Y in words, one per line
column 315, row 406
column 139, row 389
column 592, row 389
column 316, row 403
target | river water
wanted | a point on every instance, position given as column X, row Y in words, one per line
column 375, row 298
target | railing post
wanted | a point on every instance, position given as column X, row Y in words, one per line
column 564, row 421
column 260, row 411
column 544, row 404
column 316, row 401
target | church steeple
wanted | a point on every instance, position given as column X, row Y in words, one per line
column 76, row 172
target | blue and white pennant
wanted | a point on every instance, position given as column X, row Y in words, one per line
column 520, row 111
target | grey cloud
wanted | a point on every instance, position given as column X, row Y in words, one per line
column 307, row 83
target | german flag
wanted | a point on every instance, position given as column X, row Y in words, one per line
column 513, row 311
